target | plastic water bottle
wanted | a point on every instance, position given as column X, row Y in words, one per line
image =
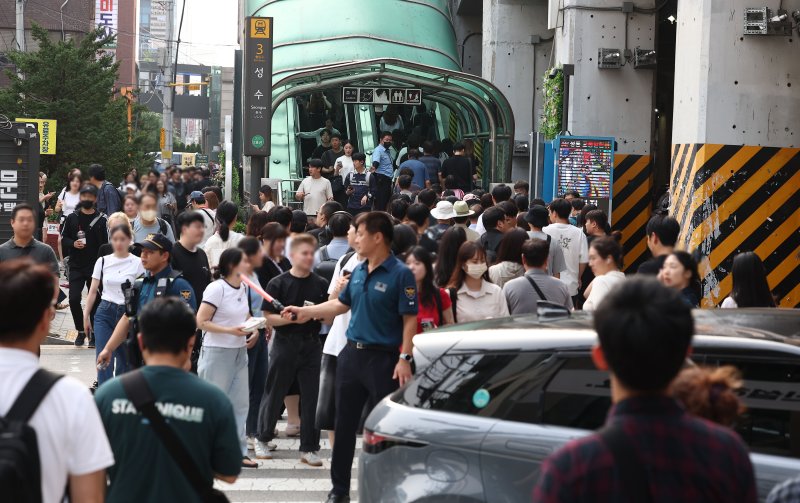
column 82, row 237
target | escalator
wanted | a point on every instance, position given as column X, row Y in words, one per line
column 322, row 46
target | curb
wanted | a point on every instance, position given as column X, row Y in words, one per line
column 55, row 340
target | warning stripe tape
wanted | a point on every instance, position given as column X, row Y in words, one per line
column 735, row 198
column 632, row 187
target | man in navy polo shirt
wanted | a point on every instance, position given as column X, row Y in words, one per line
column 382, row 295
column 383, row 169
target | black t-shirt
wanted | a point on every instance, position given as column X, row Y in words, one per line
column 329, row 157
column 194, row 266
column 320, row 151
column 96, row 236
column 652, row 266
column 460, row 168
column 294, row 291
column 270, row 269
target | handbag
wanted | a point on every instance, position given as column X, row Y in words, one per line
column 337, row 184
column 140, row 394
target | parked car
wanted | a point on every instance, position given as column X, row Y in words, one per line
column 491, row 400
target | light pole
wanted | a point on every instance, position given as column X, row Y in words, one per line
column 61, row 10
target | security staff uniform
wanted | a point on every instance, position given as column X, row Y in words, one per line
column 378, row 302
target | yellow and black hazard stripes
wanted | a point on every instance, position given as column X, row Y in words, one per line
column 632, row 191
column 478, row 152
column 452, row 127
column 732, row 198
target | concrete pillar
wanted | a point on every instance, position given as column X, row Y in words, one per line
column 508, row 62
column 736, row 163
column 612, row 102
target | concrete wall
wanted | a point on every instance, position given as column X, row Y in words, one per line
column 469, row 33
column 615, row 102
column 508, row 62
column 741, row 90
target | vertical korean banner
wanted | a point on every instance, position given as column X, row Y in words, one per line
column 106, row 16
column 47, row 134
column 257, row 102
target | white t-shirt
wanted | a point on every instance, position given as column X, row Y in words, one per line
column 573, row 243
column 69, row 432
column 69, row 202
column 215, row 246
column 268, row 206
column 317, row 192
column 337, row 336
column 117, row 271
column 232, row 310
column 347, row 166
column 208, row 223
column 601, row 285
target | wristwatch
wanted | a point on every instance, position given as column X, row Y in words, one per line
column 407, row 357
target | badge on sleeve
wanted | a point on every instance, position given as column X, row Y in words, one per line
column 411, row 292
column 186, row 295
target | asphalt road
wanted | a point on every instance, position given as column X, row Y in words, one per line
column 282, row 479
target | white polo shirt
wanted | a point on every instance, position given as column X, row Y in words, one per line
column 70, row 434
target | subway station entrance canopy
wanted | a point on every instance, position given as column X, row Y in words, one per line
column 323, row 45
column 483, row 113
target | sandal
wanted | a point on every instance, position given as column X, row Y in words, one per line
column 249, row 463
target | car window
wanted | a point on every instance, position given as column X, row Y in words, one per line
column 501, row 386
column 578, row 395
column 771, row 393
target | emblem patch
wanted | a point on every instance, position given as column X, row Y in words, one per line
column 411, row 292
column 186, row 295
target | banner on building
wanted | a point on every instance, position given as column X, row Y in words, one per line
column 106, row 14
column 47, row 134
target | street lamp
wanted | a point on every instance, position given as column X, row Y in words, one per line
column 61, row 10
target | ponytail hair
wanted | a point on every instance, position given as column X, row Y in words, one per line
column 710, row 393
column 226, row 215
column 228, row 261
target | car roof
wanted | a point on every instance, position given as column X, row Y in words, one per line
column 742, row 328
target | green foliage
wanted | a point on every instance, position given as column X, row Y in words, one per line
column 179, row 146
column 73, row 83
column 219, row 179
column 553, row 108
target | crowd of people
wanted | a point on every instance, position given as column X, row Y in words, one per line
column 310, row 311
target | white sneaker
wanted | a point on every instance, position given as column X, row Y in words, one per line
column 250, row 443
column 311, row 459
column 263, row 449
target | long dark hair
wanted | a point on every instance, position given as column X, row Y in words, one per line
column 272, row 232
column 690, row 264
column 446, row 259
column 466, row 251
column 427, row 289
column 750, row 287
column 608, row 246
column 510, row 249
column 257, row 222
column 228, row 261
column 226, row 214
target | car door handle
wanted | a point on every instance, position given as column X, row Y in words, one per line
column 532, row 448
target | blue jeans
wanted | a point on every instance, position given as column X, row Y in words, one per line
column 227, row 368
column 105, row 321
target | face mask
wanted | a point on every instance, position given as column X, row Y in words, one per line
column 476, row 270
column 387, row 144
column 87, row 205
column 148, row 215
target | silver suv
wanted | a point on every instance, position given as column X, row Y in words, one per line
column 490, row 400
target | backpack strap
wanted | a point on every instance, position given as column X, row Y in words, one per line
column 631, row 471
column 437, row 299
column 140, row 394
column 346, row 258
column 32, row 395
column 536, row 287
column 96, row 219
column 324, row 256
column 453, row 300
column 162, row 226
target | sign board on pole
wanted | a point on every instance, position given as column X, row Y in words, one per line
column 47, row 134
column 201, row 160
column 585, row 164
column 257, row 99
column 19, row 172
column 382, row 95
column 162, row 139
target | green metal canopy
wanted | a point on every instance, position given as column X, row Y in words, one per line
column 323, row 45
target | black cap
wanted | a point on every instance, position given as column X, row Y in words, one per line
column 157, row 242
column 538, row 216
column 89, row 189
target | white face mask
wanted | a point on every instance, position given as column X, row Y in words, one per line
column 148, row 215
column 476, row 270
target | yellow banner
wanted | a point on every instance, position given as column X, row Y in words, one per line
column 47, row 134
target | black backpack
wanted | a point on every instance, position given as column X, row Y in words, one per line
column 20, row 469
column 326, row 264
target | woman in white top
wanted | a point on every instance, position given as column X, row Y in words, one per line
column 605, row 259
column 509, row 258
column 69, row 197
column 223, row 238
column 111, row 272
column 344, row 164
column 474, row 297
column 223, row 358
column 265, row 198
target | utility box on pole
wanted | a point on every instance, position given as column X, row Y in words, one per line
column 19, row 172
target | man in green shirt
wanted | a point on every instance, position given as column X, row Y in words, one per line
column 200, row 414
